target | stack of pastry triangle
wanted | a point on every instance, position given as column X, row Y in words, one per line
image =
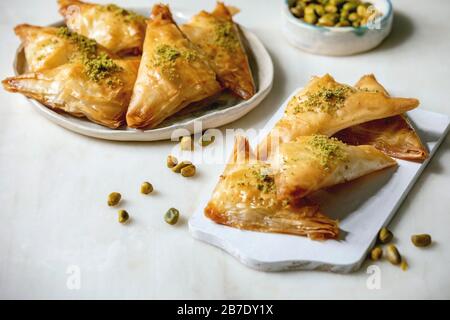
column 269, row 194
column 272, row 197
column 177, row 69
column 246, row 198
column 326, row 107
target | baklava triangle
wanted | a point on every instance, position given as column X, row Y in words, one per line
column 315, row 162
column 219, row 37
column 325, row 107
column 395, row 136
column 98, row 89
column 120, row 31
column 51, row 47
column 173, row 73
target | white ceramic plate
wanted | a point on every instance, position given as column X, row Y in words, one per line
column 363, row 207
column 226, row 110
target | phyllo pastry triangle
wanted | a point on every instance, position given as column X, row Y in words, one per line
column 246, row 198
column 173, row 73
column 395, row 136
column 325, row 107
column 96, row 87
column 119, row 30
column 220, row 38
column 315, row 162
column 50, row 47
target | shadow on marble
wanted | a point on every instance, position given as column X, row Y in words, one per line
column 435, row 167
column 340, row 201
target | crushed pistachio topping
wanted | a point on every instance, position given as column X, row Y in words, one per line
column 165, row 54
column 98, row 67
column 40, row 57
column 165, row 57
column 102, row 67
column 324, row 100
column 128, row 16
column 370, row 90
column 259, row 177
column 265, row 181
column 225, row 35
column 327, row 150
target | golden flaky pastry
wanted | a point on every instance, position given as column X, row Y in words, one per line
column 246, row 198
column 219, row 37
column 315, row 162
column 49, row 47
column 119, row 30
column 325, row 107
column 173, row 73
column 74, row 88
column 395, row 136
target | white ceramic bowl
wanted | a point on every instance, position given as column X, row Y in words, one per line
column 338, row 41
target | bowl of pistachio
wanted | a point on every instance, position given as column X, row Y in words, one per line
column 337, row 27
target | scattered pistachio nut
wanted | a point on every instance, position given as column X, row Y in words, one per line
column 172, row 216
column 421, row 240
column 181, row 165
column 186, row 143
column 206, row 140
column 376, row 253
column 123, row 216
column 188, row 171
column 114, row 199
column 404, row 265
column 385, row 235
column 171, row 162
column 146, row 188
column 393, row 255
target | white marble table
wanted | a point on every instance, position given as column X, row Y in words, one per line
column 55, row 225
